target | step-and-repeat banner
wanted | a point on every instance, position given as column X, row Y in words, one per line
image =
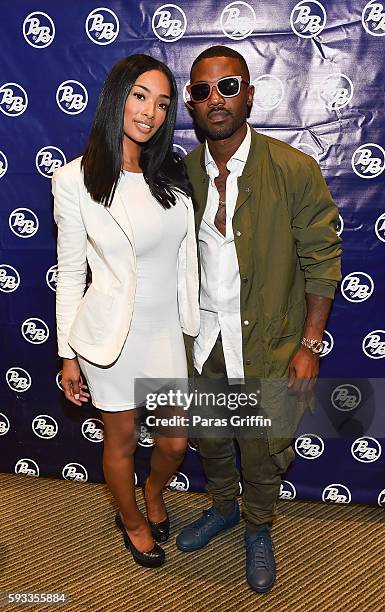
column 317, row 68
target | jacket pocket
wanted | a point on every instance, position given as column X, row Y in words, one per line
column 92, row 317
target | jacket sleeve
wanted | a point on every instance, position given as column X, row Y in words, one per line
column 314, row 224
column 71, row 255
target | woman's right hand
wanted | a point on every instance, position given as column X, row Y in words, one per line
column 74, row 388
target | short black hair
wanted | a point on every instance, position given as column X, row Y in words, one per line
column 221, row 51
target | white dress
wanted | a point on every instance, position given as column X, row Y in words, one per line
column 153, row 352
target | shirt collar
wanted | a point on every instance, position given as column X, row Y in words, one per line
column 240, row 154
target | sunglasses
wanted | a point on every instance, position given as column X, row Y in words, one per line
column 228, row 87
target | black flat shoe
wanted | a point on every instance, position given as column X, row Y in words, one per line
column 153, row 558
column 160, row 531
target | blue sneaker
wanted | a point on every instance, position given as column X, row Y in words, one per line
column 260, row 561
column 199, row 533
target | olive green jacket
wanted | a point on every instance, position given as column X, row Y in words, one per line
column 286, row 242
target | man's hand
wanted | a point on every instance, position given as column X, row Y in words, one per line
column 74, row 388
column 303, row 370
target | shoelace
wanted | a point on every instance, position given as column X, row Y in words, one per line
column 259, row 551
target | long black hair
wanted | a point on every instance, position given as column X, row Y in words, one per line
column 102, row 161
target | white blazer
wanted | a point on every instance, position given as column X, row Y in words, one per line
column 95, row 324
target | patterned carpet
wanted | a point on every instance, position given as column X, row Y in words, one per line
column 60, row 536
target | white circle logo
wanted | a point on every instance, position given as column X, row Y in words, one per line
column 179, row 482
column 3, row 164
column 102, row 26
column 287, row 490
column 58, row 380
column 51, row 277
column 380, row 227
column 75, row 471
column 366, row 449
column 38, row 30
column 336, row 91
column 28, row 467
column 71, row 97
column 9, row 278
column 93, row 430
column 13, row 99
column 169, row 23
column 381, row 498
column 179, row 149
column 346, row 397
column 145, row 437
column 192, row 446
column 340, row 225
column 186, row 95
column 328, row 342
column 18, row 379
column 48, row 159
column 268, row 91
column 373, row 18
column 337, row 494
column 368, row 161
column 4, row 424
column 44, row 426
column 238, row 20
column 23, row 222
column 35, row 331
column 308, row 18
column 357, row 287
column 373, row 345
column 309, row 150
column 309, row 446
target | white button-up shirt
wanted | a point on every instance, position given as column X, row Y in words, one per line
column 220, row 281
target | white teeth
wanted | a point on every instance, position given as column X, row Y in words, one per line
column 144, row 125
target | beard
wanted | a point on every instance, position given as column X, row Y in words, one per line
column 213, row 132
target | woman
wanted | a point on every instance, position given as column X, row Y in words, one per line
column 125, row 208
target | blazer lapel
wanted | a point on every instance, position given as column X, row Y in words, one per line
column 118, row 212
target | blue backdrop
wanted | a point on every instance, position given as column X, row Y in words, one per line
column 318, row 75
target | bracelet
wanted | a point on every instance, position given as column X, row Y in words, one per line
column 316, row 346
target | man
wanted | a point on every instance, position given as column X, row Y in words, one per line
column 270, row 263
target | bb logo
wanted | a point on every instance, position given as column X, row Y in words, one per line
column 373, row 345
column 179, row 482
column 373, row 18
column 48, row 159
column 368, row 161
column 268, row 92
column 179, row 149
column 308, row 18
column 366, row 449
column 169, row 23
column 309, row 446
column 38, row 30
column 44, row 426
column 71, row 97
column 287, row 490
column 381, row 498
column 145, row 437
column 309, row 150
column 93, row 430
column 328, row 342
column 340, row 225
column 75, row 471
column 13, row 99
column 380, row 227
column 9, row 278
column 28, row 467
column 4, row 424
column 337, row 494
column 51, row 277
column 58, row 380
column 18, row 379
column 35, row 331
column 336, row 91
column 23, row 222
column 102, row 26
column 238, row 20
column 346, row 397
column 357, row 287
column 3, row 164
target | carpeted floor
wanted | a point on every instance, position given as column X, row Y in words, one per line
column 60, row 536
